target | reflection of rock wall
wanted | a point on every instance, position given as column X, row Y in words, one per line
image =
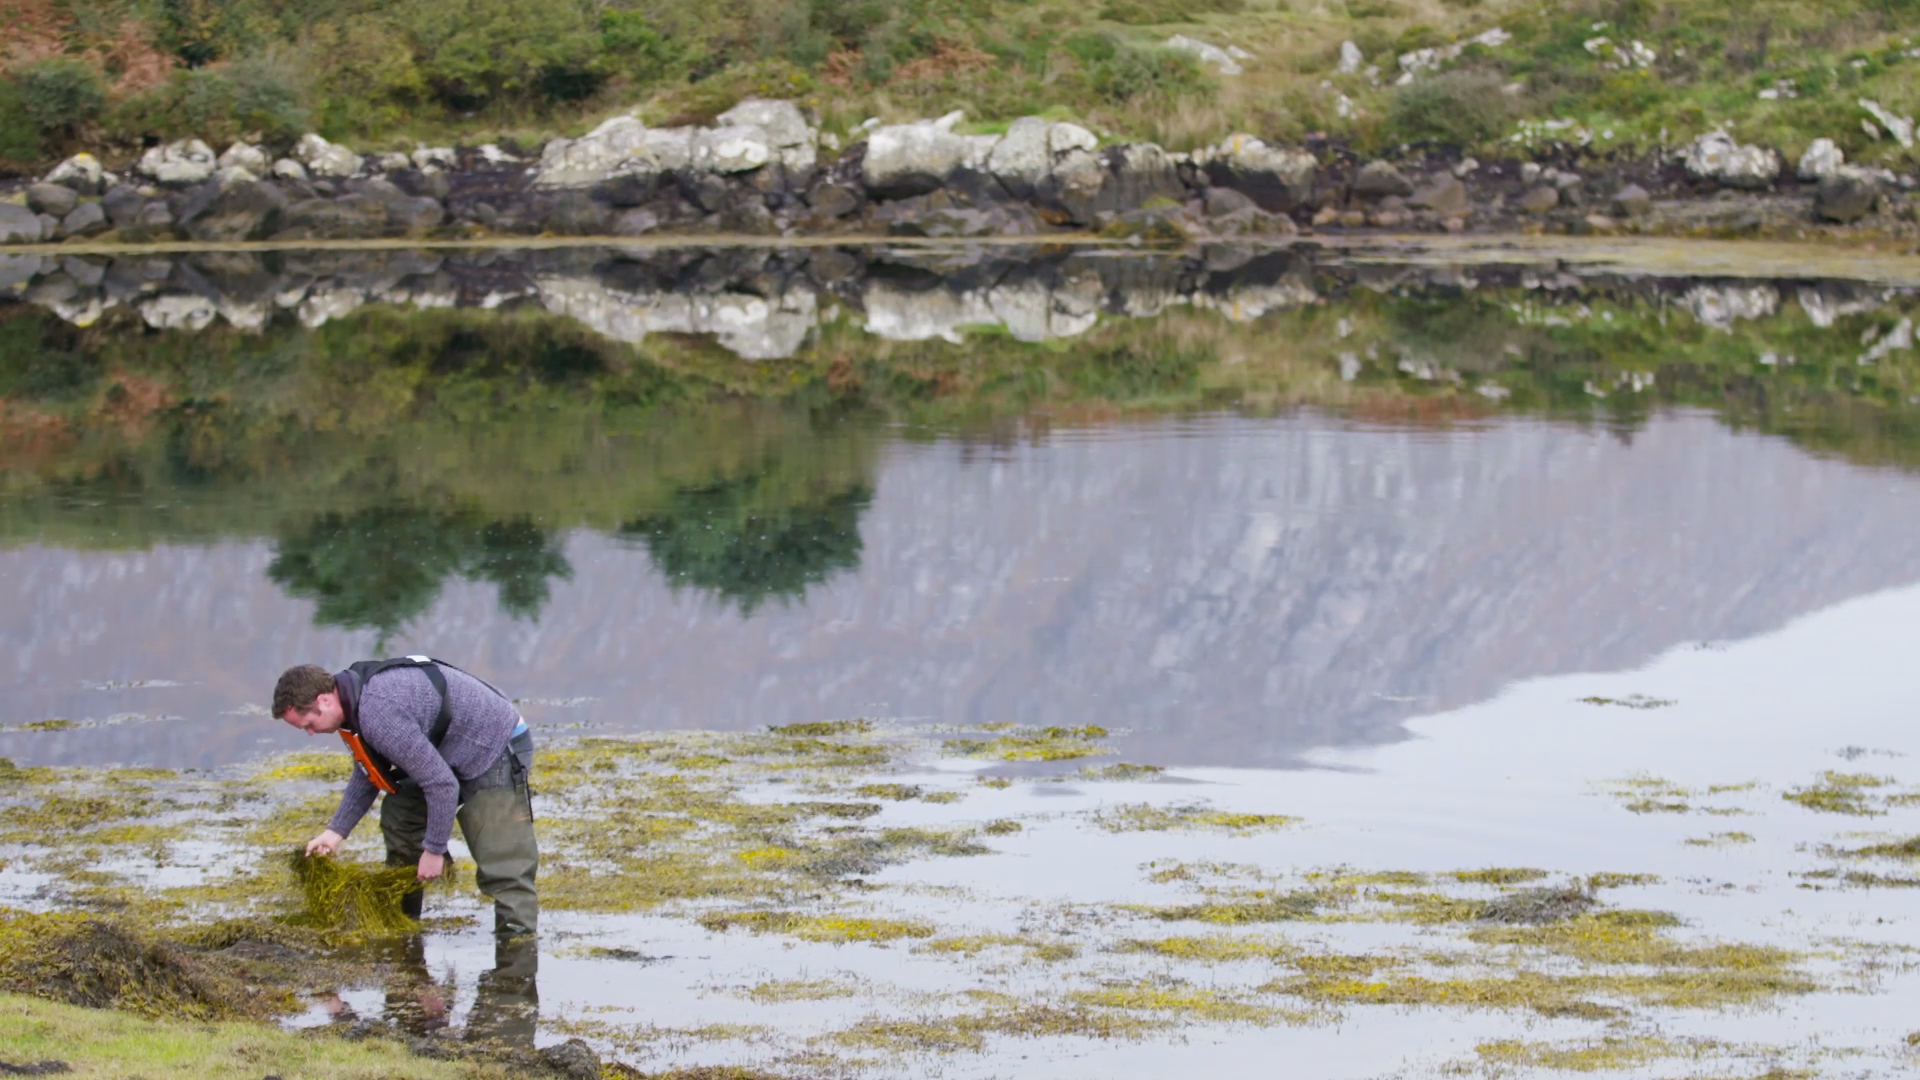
column 762, row 304
column 1234, row 591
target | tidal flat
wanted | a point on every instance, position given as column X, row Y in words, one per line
column 870, row 898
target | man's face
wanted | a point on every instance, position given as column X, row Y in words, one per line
column 323, row 718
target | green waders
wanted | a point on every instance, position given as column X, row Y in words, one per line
column 496, row 818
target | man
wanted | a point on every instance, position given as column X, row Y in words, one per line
column 438, row 743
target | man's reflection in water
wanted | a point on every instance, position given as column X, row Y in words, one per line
column 506, row 1011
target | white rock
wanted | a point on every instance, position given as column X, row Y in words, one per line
column 1213, row 56
column 979, row 150
column 288, row 169
column 947, row 122
column 493, row 155
column 672, row 148
column 1716, row 156
column 1822, row 159
column 81, row 172
column 785, row 125
column 1465, row 168
column 618, row 146
column 433, row 158
column 1900, row 127
column 1064, row 137
column 245, row 156
column 733, row 149
column 323, row 158
column 178, row 311
column 1350, row 59
column 184, row 161
column 391, row 161
column 235, row 174
column 1022, row 156
column 912, row 158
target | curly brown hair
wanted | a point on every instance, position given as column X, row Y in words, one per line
column 297, row 688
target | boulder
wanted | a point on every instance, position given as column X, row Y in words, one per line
column 18, row 225
column 1021, row 159
column 323, row 158
column 50, row 227
column 1379, row 179
column 1138, row 174
column 1444, row 195
column 793, row 142
column 1821, row 160
column 81, row 172
column 1212, row 56
column 1220, row 202
column 912, row 159
column 1539, row 200
column 56, row 199
column 1718, row 158
column 390, row 161
column 122, row 204
column 618, row 146
column 234, row 174
column 183, row 161
column 833, row 200
column 571, row 213
column 152, row 221
column 289, row 169
column 1075, row 186
column 1350, row 59
column 1631, row 201
column 413, row 215
column 1277, row 179
column 87, row 219
column 246, row 156
column 1846, row 196
column 732, row 149
column 1163, row 225
column 235, row 212
column 349, row 217
column 434, row 158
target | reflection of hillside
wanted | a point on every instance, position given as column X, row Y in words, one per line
column 1234, row 590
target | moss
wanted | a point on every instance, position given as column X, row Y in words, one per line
column 1146, row 817
column 1001, row 827
column 1034, row 744
column 1840, row 793
column 1254, row 906
column 834, row 929
column 1588, row 1056
column 780, row 991
column 1189, row 1003
column 825, row 729
column 1495, row 875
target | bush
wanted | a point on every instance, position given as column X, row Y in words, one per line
column 1134, row 72
column 19, row 135
column 62, row 95
column 476, row 53
column 1463, row 108
column 1153, row 12
column 267, row 100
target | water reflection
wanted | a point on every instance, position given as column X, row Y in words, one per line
column 506, row 1008
column 382, row 567
column 1244, row 507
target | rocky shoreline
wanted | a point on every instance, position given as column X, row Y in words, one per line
column 765, row 170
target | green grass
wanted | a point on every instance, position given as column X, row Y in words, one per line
column 104, row 1044
column 382, row 74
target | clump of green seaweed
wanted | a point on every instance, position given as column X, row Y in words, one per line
column 352, row 901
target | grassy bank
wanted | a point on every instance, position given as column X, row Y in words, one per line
column 1617, row 76
column 104, row 1044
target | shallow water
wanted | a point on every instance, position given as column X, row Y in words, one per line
column 1461, row 559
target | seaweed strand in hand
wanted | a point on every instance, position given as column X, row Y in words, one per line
column 355, row 900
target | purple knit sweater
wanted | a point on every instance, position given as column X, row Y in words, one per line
column 397, row 709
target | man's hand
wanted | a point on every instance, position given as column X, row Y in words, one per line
column 326, row 843
column 431, row 865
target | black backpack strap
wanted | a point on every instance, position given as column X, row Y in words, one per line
column 363, row 672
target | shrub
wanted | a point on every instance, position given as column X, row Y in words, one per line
column 1151, row 12
column 19, row 135
column 631, row 47
column 268, row 100
column 1139, row 71
column 1459, row 107
column 476, row 53
column 61, row 94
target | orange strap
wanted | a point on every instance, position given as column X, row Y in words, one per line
column 359, row 751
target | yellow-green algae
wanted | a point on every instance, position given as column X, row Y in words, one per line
column 1146, row 817
column 1841, row 793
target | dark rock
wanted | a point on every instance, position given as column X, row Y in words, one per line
column 703, row 189
column 1169, row 225
column 1845, row 197
column 635, row 222
column 1539, row 200
column 1140, row 174
column 1444, row 195
column 830, row 265
column 50, row 227
column 414, row 215
column 51, row 289
column 833, row 200
column 1250, row 221
column 1279, row 179
column 433, row 185
column 1220, row 202
column 350, row 217
column 34, row 1068
column 627, row 189
column 236, row 212
column 87, row 219
column 1378, row 179
column 55, row 199
column 85, row 271
column 573, row 1059
column 572, row 213
column 122, row 204
column 1631, row 201
column 749, row 217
